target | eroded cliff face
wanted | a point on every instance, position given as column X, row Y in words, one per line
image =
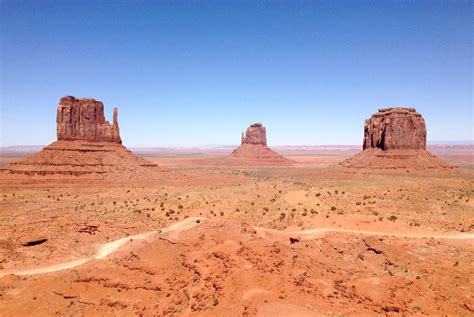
column 255, row 134
column 395, row 128
column 83, row 119
column 395, row 139
column 253, row 150
column 87, row 146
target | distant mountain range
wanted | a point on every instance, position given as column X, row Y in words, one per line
column 22, row 148
column 228, row 148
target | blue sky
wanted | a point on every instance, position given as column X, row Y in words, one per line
column 189, row 73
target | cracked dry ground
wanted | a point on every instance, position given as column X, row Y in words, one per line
column 223, row 268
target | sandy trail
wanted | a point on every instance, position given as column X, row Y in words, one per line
column 108, row 248
column 318, row 232
column 189, row 223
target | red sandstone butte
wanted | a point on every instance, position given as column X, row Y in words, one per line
column 87, row 146
column 253, row 150
column 83, row 119
column 255, row 134
column 395, row 128
column 395, row 139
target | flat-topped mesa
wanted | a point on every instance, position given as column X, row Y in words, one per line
column 253, row 150
column 395, row 140
column 395, row 128
column 256, row 134
column 83, row 119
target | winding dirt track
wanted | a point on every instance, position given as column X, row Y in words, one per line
column 189, row 223
column 108, row 248
column 318, row 232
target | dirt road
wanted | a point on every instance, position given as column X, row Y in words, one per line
column 318, row 232
column 189, row 223
column 108, row 248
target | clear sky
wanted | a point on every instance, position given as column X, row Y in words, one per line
column 190, row 73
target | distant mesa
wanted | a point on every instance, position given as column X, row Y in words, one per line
column 83, row 119
column 395, row 128
column 87, row 145
column 254, row 151
column 255, row 134
column 395, row 138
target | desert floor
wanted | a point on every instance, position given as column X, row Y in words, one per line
column 305, row 240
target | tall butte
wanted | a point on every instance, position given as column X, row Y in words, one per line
column 395, row 138
column 253, row 149
column 87, row 145
column 83, row 119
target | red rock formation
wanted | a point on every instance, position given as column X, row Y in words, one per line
column 83, row 119
column 253, row 150
column 255, row 134
column 395, row 128
column 395, row 139
column 87, row 146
